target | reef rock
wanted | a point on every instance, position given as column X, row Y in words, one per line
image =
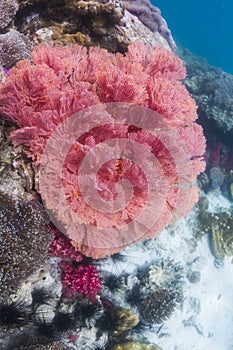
column 14, row 47
column 109, row 24
column 16, row 172
column 212, row 90
column 8, row 9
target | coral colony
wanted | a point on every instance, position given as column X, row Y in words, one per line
column 38, row 95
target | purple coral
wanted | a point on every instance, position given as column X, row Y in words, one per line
column 150, row 16
column 13, row 48
column 8, row 9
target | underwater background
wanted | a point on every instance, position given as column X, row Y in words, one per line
column 204, row 27
column 79, row 289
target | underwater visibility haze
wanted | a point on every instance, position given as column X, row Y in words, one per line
column 204, row 27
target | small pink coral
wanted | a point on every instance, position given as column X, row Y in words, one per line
column 157, row 61
column 62, row 248
column 82, row 279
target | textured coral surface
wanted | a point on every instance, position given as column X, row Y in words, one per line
column 24, row 241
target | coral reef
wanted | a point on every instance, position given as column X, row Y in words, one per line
column 82, row 279
column 150, row 15
column 104, row 23
column 117, row 321
column 217, row 177
column 24, row 242
column 86, row 312
column 53, row 87
column 12, row 313
column 61, row 247
column 8, row 9
column 158, row 306
column 16, row 171
column 212, row 89
column 14, row 47
column 30, row 346
column 158, row 292
column 54, row 346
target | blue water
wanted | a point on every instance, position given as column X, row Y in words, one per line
column 203, row 26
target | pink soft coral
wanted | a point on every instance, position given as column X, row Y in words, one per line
column 60, row 81
column 83, row 279
column 39, row 96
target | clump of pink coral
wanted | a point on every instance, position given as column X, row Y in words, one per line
column 62, row 248
column 39, row 95
column 83, row 279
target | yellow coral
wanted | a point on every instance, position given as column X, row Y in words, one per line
column 133, row 345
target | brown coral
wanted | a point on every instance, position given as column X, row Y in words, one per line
column 150, row 15
column 24, row 241
column 8, row 9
